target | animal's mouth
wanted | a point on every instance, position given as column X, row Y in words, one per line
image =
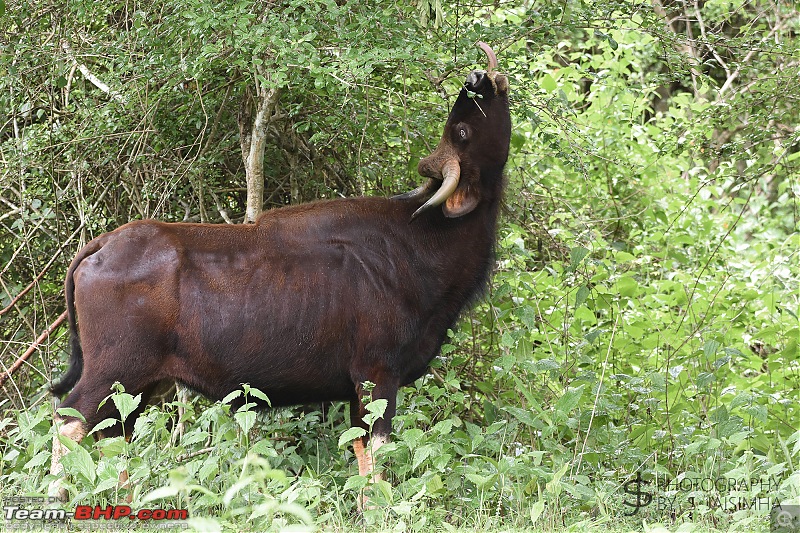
column 450, row 176
column 475, row 79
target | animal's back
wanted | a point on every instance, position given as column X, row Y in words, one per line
column 286, row 306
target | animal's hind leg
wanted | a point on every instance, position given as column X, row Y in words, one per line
column 72, row 429
column 86, row 398
column 83, row 401
column 363, row 458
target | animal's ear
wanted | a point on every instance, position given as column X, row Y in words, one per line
column 462, row 201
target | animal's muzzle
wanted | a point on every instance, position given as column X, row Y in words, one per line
column 475, row 80
column 451, row 174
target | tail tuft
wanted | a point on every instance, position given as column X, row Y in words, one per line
column 73, row 373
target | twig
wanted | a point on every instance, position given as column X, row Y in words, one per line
column 597, row 396
column 63, row 246
column 94, row 80
column 746, row 60
column 184, row 457
column 32, row 348
column 33, row 283
column 702, row 25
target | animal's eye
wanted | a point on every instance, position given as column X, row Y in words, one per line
column 462, row 132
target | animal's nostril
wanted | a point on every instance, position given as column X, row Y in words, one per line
column 475, row 79
column 427, row 168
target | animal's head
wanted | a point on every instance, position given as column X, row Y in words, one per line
column 466, row 168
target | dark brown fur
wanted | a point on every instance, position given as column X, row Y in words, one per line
column 306, row 304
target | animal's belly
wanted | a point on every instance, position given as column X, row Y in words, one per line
column 286, row 374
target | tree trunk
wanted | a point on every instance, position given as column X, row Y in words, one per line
column 255, row 114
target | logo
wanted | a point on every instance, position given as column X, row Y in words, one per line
column 643, row 499
column 726, row 494
column 784, row 519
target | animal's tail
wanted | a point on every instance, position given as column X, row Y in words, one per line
column 75, row 370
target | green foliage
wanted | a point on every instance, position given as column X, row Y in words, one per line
column 643, row 315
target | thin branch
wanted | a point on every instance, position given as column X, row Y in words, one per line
column 708, row 44
column 94, row 80
column 182, row 458
column 729, row 81
column 32, row 348
column 50, row 263
column 597, row 395
column 38, row 278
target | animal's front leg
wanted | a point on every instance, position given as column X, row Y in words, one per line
column 379, row 434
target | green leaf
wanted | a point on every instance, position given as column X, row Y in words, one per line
column 758, row 412
column 627, row 286
column 351, row 434
column 37, row 460
column 160, row 493
column 355, row 483
column 548, row 83
column 422, row 453
column 623, row 257
column 69, row 411
column 738, row 437
column 246, row 419
column 444, row 427
column 375, row 410
column 434, row 485
column 412, row 437
column 536, row 511
column 581, row 295
column 710, row 348
column 594, row 334
column 385, row 488
column 256, row 393
column 569, row 400
column 528, row 315
column 232, row 396
column 576, row 255
column 377, row 407
column 234, row 489
column 79, row 462
column 518, row 140
column 113, row 446
column 105, row 483
column 207, row 471
column 107, row 423
column 554, row 485
column 480, row 481
column 523, row 415
column 545, row 365
column 126, row 403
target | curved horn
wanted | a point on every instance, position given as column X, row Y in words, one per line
column 451, row 173
column 420, row 191
column 490, row 54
